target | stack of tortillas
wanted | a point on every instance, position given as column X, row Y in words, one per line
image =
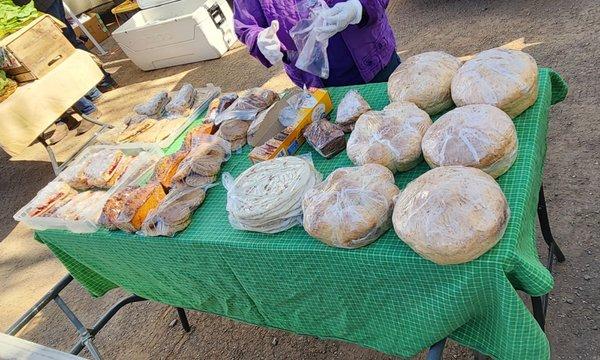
column 268, row 196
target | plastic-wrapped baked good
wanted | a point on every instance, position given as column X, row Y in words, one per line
column 102, row 166
column 267, row 197
column 167, row 167
column 135, row 204
column 424, row 80
column 134, row 119
column 451, row 214
column 480, row 136
column 391, row 137
column 247, row 106
column 154, row 106
column 51, row 198
column 174, row 212
column 506, row 79
column 235, row 132
column 204, row 159
column 325, row 137
column 191, row 138
column 352, row 207
column 351, row 107
column 182, row 101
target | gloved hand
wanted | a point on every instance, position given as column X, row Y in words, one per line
column 268, row 43
column 339, row 17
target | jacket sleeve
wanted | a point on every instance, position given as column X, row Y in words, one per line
column 21, row 2
column 374, row 9
column 249, row 21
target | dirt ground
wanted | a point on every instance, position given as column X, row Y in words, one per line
column 562, row 35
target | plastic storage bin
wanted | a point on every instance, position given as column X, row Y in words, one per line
column 177, row 33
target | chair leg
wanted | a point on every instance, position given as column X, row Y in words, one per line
column 539, row 313
column 545, row 227
column 436, row 351
column 184, row 320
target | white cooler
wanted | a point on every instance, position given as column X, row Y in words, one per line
column 166, row 33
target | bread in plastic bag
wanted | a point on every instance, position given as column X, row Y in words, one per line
column 174, row 212
column 352, row 207
column 325, row 137
column 135, row 203
column 82, row 206
column 103, row 166
column 451, row 214
column 506, row 79
column 204, row 159
column 480, row 136
column 247, row 106
column 267, row 197
column 425, row 80
column 182, row 101
column 167, row 167
column 153, row 107
column 391, row 137
column 51, row 198
column 289, row 114
column 351, row 107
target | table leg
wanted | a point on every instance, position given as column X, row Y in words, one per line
column 184, row 320
column 545, row 227
column 436, row 351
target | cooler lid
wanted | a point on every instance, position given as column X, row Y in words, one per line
column 146, row 4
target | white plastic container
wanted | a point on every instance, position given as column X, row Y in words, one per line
column 176, row 33
column 146, row 158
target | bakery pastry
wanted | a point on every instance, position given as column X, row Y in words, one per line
column 102, row 166
column 182, row 101
column 74, row 175
column 247, row 106
column 451, row 214
column 325, row 137
column 154, row 106
column 203, row 161
column 424, row 79
column 391, row 137
column 352, row 207
column 167, row 167
column 480, row 136
column 82, row 206
column 51, row 198
column 351, row 107
column 136, row 204
column 506, row 79
column 267, row 197
column 174, row 213
column 195, row 135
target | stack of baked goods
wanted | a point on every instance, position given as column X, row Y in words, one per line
column 267, row 197
column 352, row 207
column 236, row 119
column 351, row 107
column 391, row 137
column 451, row 214
column 480, row 136
column 506, row 79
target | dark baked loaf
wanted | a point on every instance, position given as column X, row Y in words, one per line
column 325, row 137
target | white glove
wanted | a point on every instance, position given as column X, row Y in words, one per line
column 339, row 17
column 268, row 43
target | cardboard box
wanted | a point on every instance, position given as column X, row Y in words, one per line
column 36, row 49
column 95, row 27
column 288, row 140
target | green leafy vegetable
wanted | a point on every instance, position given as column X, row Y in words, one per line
column 13, row 17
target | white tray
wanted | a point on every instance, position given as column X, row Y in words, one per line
column 146, row 158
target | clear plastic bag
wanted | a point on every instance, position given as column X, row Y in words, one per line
column 480, row 136
column 451, row 214
column 135, row 203
column 182, row 101
column 302, row 100
column 352, row 207
column 153, row 107
column 351, row 107
column 247, row 106
column 312, row 52
column 203, row 161
column 174, row 212
column 267, row 197
column 391, row 137
column 325, row 137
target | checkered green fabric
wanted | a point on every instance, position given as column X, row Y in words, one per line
column 383, row 296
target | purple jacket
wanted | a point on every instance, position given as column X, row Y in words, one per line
column 370, row 43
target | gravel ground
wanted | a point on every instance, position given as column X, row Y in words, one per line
column 559, row 34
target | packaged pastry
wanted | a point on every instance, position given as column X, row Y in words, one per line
column 351, row 107
column 154, row 106
column 325, row 137
column 182, row 101
column 133, row 205
column 51, row 198
column 167, row 167
column 247, row 106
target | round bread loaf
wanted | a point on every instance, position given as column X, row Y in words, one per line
column 506, row 79
column 425, row 80
column 352, row 207
column 480, row 136
column 391, row 137
column 451, row 214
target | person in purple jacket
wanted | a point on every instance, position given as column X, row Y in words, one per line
column 361, row 49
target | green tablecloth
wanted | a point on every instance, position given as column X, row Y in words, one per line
column 383, row 296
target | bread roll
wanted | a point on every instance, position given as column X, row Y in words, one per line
column 451, row 214
column 480, row 136
column 425, row 80
column 352, row 207
column 507, row 79
column 391, row 137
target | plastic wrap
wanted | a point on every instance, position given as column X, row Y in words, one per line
column 325, row 137
column 134, row 119
column 267, row 197
column 312, row 48
column 451, row 214
column 480, row 136
column 351, row 107
column 51, row 198
column 425, row 79
column 219, row 105
column 203, row 161
column 182, row 101
column 391, row 137
column 134, row 205
column 246, row 107
column 352, row 207
column 153, row 107
column 302, row 100
column 174, row 212
column 506, row 79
